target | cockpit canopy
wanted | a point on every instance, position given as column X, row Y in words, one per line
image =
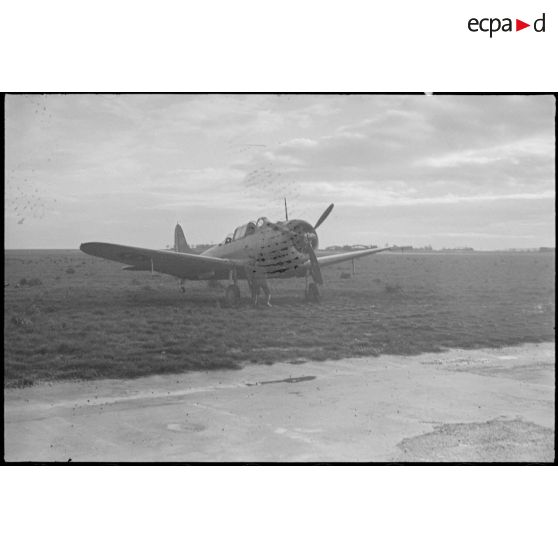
column 246, row 230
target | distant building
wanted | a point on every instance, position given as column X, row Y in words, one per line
column 463, row 249
column 417, row 249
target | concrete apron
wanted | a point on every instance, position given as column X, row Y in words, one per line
column 461, row 405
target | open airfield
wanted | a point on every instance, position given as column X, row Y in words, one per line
column 457, row 363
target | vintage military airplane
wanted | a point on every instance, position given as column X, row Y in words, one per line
column 257, row 249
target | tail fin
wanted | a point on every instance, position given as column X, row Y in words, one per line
column 180, row 244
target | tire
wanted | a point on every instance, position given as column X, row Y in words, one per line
column 232, row 296
column 313, row 293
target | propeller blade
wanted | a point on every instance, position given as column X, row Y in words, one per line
column 323, row 217
column 315, row 266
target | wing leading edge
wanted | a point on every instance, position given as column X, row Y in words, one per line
column 185, row 266
column 324, row 261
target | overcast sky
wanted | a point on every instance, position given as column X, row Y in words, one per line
column 447, row 171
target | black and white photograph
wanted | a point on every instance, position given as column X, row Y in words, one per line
column 279, row 278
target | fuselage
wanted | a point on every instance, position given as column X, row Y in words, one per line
column 269, row 249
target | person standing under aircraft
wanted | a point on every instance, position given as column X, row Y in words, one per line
column 256, row 283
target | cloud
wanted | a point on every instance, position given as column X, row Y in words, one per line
column 103, row 162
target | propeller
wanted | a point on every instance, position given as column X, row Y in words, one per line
column 314, row 265
column 324, row 216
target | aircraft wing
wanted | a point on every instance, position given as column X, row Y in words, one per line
column 324, row 261
column 186, row 266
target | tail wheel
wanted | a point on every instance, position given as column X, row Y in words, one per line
column 313, row 293
column 232, row 296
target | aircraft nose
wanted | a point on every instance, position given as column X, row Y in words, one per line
column 304, row 236
column 312, row 238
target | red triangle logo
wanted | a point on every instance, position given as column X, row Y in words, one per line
column 519, row 25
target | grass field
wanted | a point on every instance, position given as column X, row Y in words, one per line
column 71, row 316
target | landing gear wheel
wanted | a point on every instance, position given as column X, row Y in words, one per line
column 232, row 296
column 313, row 293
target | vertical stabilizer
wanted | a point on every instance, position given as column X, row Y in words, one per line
column 180, row 244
